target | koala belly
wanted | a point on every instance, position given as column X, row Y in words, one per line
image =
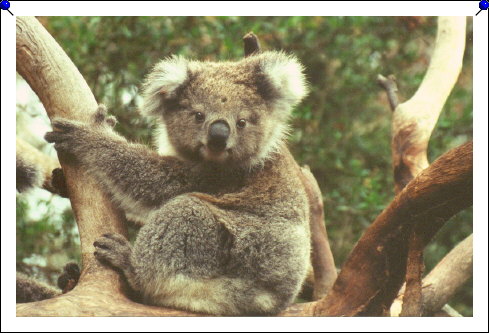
column 182, row 259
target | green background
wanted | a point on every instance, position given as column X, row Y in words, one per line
column 341, row 130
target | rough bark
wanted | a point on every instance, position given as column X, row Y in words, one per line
column 374, row 271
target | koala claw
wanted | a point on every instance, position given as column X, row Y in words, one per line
column 113, row 249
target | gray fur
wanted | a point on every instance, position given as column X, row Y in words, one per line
column 27, row 174
column 222, row 233
column 31, row 290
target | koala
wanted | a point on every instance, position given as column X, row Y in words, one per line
column 29, row 289
column 27, row 175
column 224, row 215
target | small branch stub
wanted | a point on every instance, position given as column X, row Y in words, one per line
column 251, row 44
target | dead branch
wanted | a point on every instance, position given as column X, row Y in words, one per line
column 374, row 271
column 443, row 282
column 447, row 311
column 390, row 86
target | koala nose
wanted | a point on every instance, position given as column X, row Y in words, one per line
column 218, row 135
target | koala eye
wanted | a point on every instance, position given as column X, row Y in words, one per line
column 199, row 116
column 241, row 123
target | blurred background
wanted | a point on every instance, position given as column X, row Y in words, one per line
column 341, row 130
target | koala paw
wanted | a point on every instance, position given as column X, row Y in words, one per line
column 115, row 250
column 102, row 118
column 69, row 278
column 67, row 135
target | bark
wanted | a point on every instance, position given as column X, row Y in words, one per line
column 374, row 271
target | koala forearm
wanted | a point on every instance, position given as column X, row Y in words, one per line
column 136, row 176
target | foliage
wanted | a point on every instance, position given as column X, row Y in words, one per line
column 342, row 129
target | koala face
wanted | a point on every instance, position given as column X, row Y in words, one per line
column 232, row 113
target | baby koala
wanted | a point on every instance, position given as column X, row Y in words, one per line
column 224, row 213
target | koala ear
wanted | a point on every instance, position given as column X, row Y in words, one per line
column 285, row 75
column 165, row 78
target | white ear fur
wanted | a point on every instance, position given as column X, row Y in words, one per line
column 164, row 79
column 286, row 76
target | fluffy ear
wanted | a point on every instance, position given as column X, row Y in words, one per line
column 285, row 75
column 162, row 82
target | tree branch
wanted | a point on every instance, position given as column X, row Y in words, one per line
column 390, row 86
column 322, row 258
column 374, row 271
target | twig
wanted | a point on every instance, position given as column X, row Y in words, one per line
column 390, row 86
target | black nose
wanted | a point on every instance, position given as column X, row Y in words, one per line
column 218, row 135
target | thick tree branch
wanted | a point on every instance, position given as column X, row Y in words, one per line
column 375, row 269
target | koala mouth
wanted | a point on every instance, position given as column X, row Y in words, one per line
column 215, row 156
